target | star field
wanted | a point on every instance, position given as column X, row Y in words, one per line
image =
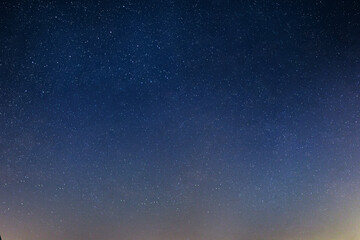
column 189, row 120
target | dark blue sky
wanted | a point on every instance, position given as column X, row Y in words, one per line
column 183, row 120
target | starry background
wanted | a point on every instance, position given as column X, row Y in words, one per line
column 191, row 120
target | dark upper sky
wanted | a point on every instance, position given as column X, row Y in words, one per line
column 184, row 120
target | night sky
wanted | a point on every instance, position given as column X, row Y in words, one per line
column 180, row 120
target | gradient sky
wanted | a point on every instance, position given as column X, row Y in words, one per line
column 181, row 120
